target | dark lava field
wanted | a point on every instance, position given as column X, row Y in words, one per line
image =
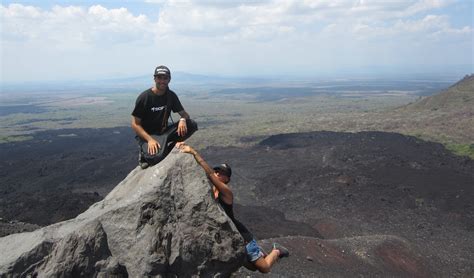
column 345, row 204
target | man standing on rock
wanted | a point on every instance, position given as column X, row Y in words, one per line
column 156, row 138
column 220, row 177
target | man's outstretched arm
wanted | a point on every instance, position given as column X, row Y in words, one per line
column 226, row 193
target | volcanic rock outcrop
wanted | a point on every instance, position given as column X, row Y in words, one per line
column 161, row 221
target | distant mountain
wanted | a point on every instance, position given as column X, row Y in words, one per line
column 458, row 97
column 179, row 79
column 446, row 117
column 184, row 78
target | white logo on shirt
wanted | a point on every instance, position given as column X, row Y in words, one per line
column 155, row 109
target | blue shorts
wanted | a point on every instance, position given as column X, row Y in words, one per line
column 253, row 251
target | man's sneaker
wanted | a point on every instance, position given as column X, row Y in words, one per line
column 283, row 251
column 143, row 164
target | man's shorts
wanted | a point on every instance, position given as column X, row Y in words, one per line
column 253, row 251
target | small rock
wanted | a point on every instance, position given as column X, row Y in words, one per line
column 309, row 258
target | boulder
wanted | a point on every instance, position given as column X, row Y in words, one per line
column 157, row 222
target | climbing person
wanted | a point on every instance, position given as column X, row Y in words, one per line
column 219, row 176
column 150, row 120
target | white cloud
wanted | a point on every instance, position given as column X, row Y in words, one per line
column 258, row 20
column 72, row 25
column 426, row 5
column 227, row 33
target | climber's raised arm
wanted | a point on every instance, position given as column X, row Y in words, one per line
column 212, row 174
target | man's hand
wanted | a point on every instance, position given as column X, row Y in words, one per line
column 153, row 146
column 182, row 127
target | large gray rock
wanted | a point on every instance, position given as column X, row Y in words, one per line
column 158, row 222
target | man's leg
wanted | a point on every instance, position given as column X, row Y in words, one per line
column 141, row 159
column 170, row 137
column 167, row 141
column 173, row 131
column 257, row 258
column 264, row 264
column 261, row 262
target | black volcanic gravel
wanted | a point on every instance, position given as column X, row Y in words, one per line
column 317, row 184
column 363, row 184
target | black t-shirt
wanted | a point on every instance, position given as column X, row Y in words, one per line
column 150, row 108
column 246, row 234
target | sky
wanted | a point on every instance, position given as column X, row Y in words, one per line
column 87, row 40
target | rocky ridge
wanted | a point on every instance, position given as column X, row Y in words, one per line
column 159, row 221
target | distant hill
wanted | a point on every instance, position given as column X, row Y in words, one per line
column 446, row 117
column 458, row 97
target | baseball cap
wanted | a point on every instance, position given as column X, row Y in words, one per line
column 224, row 168
column 159, row 70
